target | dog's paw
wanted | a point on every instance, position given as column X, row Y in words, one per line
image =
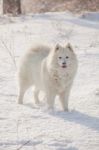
column 97, row 91
column 66, row 109
column 20, row 102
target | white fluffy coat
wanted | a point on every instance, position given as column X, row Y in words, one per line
column 50, row 70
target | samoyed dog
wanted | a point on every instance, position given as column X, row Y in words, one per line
column 51, row 70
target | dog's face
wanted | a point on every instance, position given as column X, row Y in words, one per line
column 64, row 55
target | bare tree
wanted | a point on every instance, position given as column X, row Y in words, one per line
column 12, row 6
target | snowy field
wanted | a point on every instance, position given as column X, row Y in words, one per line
column 30, row 127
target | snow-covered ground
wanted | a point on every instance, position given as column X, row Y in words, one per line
column 92, row 16
column 30, row 127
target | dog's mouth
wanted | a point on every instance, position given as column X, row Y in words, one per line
column 64, row 66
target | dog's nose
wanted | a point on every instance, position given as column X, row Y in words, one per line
column 64, row 63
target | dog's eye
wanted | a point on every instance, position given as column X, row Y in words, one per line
column 67, row 57
column 60, row 57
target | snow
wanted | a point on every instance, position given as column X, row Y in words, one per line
column 31, row 127
column 92, row 16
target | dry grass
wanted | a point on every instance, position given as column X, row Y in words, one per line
column 39, row 6
column 76, row 6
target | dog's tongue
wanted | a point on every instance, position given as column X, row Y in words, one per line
column 64, row 66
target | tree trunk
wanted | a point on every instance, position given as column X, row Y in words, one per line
column 12, row 7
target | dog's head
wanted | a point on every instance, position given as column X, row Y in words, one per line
column 64, row 55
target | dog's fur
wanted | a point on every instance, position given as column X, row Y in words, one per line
column 50, row 70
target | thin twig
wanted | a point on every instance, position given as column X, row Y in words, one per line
column 9, row 52
column 23, row 145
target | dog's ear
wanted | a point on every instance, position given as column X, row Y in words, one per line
column 57, row 47
column 69, row 46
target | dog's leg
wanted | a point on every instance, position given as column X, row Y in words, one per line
column 64, row 97
column 36, row 94
column 23, row 86
column 64, row 101
column 50, row 97
column 21, row 95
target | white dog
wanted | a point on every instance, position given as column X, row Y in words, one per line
column 50, row 70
